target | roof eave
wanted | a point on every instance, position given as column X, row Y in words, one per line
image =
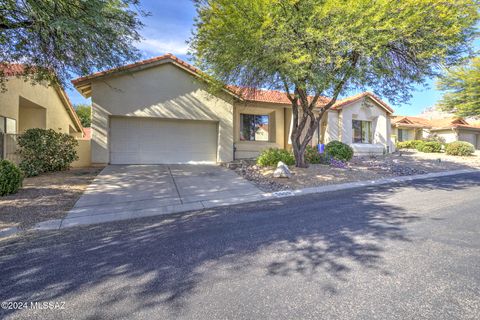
column 84, row 84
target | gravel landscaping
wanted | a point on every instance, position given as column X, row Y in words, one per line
column 401, row 163
column 45, row 197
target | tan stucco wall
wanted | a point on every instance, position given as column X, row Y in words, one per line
column 276, row 128
column 332, row 130
column 164, row 91
column 84, row 154
column 412, row 133
column 447, row 135
column 381, row 125
column 57, row 117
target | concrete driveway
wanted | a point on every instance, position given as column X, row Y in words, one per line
column 129, row 191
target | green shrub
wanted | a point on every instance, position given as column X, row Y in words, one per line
column 10, row 178
column 312, row 156
column 430, row 146
column 460, row 148
column 271, row 157
column 339, row 150
column 419, row 145
column 45, row 151
column 410, row 144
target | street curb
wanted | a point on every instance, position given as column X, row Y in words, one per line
column 202, row 205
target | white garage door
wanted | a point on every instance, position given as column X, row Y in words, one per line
column 155, row 141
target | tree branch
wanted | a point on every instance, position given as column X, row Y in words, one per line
column 16, row 25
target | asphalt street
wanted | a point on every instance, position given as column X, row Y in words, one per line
column 399, row 251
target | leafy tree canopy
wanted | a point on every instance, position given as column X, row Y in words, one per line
column 326, row 47
column 68, row 36
column 84, row 112
column 462, row 89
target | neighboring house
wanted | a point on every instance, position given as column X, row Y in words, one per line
column 450, row 129
column 161, row 110
column 24, row 105
column 456, row 129
column 406, row 128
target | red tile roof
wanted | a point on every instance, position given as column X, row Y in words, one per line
column 408, row 121
column 248, row 94
column 270, row 96
column 165, row 57
column 435, row 124
column 12, row 69
column 454, row 122
column 341, row 103
column 87, row 133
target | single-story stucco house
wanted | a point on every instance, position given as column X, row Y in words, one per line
column 24, row 105
column 449, row 129
column 161, row 110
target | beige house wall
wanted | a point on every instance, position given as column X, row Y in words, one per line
column 164, row 91
column 276, row 128
column 448, row 135
column 84, row 154
column 365, row 110
column 47, row 97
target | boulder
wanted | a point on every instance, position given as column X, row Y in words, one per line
column 282, row 171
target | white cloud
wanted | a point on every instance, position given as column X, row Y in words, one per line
column 159, row 46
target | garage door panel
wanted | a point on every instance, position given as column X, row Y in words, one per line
column 154, row 141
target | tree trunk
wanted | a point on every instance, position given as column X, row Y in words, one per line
column 299, row 154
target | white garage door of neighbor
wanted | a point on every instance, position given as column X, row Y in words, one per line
column 156, row 141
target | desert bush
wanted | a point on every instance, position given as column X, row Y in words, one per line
column 435, row 137
column 460, row 148
column 410, row 144
column 312, row 156
column 339, row 150
column 271, row 157
column 430, row 146
column 44, row 150
column 11, row 178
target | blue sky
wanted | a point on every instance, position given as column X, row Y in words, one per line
column 170, row 25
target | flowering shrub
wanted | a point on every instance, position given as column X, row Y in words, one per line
column 338, row 163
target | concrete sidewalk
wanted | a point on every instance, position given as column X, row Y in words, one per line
column 78, row 215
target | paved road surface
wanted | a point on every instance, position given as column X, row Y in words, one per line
column 407, row 251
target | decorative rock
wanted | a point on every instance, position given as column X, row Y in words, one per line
column 282, row 171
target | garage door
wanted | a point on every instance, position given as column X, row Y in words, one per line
column 155, row 141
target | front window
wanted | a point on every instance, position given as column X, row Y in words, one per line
column 362, row 131
column 402, row 135
column 253, row 127
column 8, row 125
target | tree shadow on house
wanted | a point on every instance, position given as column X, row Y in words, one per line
column 161, row 262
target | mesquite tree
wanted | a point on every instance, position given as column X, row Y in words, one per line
column 462, row 89
column 56, row 38
column 315, row 48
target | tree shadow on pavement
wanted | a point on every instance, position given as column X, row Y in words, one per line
column 161, row 261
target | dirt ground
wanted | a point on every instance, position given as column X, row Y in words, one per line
column 48, row 196
column 359, row 169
